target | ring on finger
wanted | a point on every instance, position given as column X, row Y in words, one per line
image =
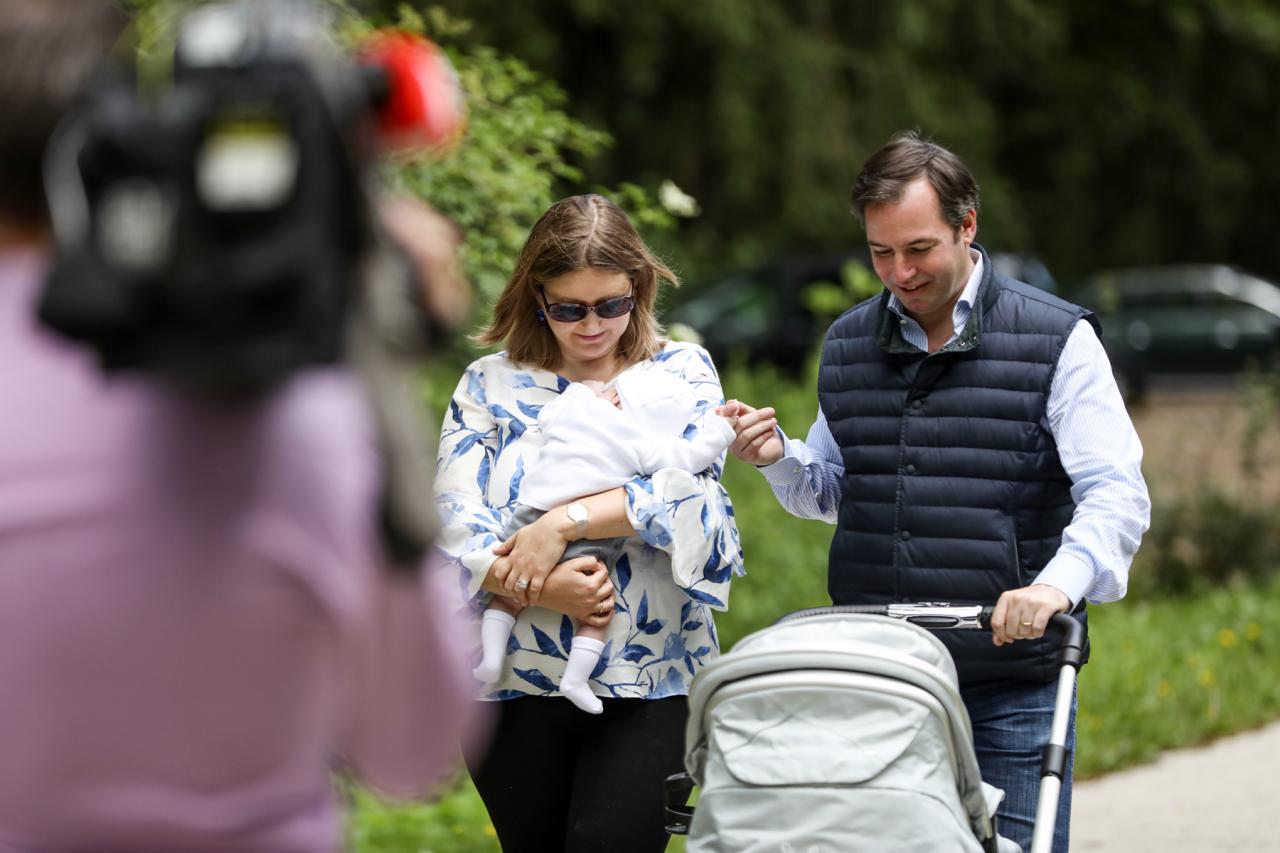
column 522, row 584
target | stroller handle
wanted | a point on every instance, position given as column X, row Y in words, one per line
column 941, row 616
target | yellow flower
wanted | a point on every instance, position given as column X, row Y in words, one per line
column 1227, row 638
column 1164, row 689
column 1252, row 632
column 1206, row 678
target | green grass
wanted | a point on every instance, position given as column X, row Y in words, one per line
column 1165, row 673
column 1176, row 672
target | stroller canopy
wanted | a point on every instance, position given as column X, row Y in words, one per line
column 843, row 731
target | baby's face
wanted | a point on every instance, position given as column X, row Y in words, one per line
column 610, row 393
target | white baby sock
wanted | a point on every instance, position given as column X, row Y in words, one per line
column 495, row 630
column 583, row 657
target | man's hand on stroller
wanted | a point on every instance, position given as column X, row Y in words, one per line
column 1023, row 614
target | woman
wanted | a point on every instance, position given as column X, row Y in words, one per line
column 579, row 306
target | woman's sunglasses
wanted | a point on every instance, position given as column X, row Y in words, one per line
column 572, row 312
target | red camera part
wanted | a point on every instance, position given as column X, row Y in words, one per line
column 423, row 104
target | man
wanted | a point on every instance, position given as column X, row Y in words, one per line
column 195, row 620
column 971, row 446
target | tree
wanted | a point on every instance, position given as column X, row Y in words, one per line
column 1102, row 133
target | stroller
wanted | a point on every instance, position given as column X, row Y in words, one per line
column 842, row 729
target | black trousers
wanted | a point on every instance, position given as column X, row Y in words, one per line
column 555, row 778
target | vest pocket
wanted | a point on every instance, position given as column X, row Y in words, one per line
column 1017, row 576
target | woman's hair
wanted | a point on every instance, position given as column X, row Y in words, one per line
column 579, row 232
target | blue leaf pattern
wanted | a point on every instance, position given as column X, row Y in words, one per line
column 705, row 598
column 636, row 652
column 668, row 577
column 514, row 491
column 537, row 679
column 546, row 645
column 622, row 570
column 672, row 684
column 566, row 633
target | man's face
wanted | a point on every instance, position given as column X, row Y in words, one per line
column 918, row 255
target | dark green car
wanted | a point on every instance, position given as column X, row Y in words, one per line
column 1207, row 321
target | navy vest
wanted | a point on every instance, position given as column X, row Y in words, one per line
column 953, row 490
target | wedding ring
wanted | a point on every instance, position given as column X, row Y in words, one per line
column 1024, row 624
column 523, row 583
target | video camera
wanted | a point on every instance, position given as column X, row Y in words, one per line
column 216, row 235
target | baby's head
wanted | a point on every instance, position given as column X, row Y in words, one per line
column 609, row 393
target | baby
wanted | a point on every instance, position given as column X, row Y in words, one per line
column 599, row 438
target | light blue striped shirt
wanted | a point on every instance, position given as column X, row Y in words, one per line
column 1097, row 445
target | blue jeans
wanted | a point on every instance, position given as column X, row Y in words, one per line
column 1011, row 721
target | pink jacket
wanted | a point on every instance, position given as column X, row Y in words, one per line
column 194, row 628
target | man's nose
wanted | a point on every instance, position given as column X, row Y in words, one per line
column 903, row 270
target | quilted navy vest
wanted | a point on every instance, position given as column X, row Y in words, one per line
column 953, row 490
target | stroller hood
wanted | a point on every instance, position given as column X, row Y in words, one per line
column 832, row 701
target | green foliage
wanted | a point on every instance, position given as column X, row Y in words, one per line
column 455, row 823
column 1102, row 133
column 1226, row 528
column 1206, row 541
column 827, row 301
column 507, row 170
column 785, row 556
column 518, row 156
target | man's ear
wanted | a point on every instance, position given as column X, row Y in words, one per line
column 968, row 229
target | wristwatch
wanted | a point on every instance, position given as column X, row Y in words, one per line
column 577, row 513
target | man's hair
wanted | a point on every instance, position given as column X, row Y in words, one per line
column 579, row 232
column 903, row 159
column 49, row 49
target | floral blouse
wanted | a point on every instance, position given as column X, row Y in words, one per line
column 669, row 576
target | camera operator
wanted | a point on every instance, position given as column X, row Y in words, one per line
column 196, row 620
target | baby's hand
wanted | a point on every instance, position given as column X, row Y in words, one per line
column 757, row 442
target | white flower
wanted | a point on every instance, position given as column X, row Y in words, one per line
column 676, row 201
column 684, row 332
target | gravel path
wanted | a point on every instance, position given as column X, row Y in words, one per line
column 1223, row 796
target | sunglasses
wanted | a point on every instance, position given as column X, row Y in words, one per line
column 572, row 312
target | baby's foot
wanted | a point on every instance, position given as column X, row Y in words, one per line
column 488, row 671
column 584, row 698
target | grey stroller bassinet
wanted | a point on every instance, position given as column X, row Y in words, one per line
column 836, row 732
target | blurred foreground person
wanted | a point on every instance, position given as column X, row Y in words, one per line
column 196, row 624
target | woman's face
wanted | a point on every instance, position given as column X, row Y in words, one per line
column 588, row 347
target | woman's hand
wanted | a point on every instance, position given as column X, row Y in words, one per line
column 581, row 589
column 531, row 554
